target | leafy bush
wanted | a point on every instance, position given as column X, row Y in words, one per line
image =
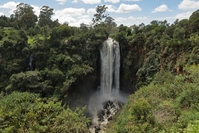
column 136, row 118
column 193, row 127
column 168, row 104
column 26, row 112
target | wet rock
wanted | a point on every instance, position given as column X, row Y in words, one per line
column 110, row 108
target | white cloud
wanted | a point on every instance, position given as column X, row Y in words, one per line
column 70, row 11
column 161, row 8
column 91, row 11
column 120, row 19
column 61, row 2
column 74, row 1
column 188, row 4
column 131, row 0
column 36, row 9
column 112, row 1
column 77, row 21
column 169, row 19
column 84, row 20
column 9, row 5
column 123, row 8
column 92, row 1
column 64, row 18
column 84, row 17
column 74, row 16
column 111, row 8
column 138, row 18
column 1, row 14
column 126, row 8
column 131, row 20
column 185, row 15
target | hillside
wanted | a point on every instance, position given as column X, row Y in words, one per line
column 168, row 104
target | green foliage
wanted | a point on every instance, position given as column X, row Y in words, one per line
column 168, row 104
column 24, row 16
column 46, row 83
column 189, row 96
column 153, row 57
column 3, row 23
column 30, row 81
column 80, row 70
column 194, row 21
column 138, row 119
column 45, row 16
column 14, row 54
column 99, row 16
column 193, row 127
column 61, row 32
column 28, row 20
column 26, row 112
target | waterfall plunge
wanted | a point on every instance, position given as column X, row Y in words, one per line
column 110, row 66
column 30, row 65
column 109, row 87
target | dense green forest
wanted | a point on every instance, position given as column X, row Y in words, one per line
column 42, row 62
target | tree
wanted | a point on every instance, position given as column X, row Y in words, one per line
column 27, row 112
column 99, row 16
column 4, row 21
column 28, row 20
column 45, row 16
column 14, row 54
column 55, row 23
column 60, row 32
column 194, row 21
column 110, row 24
column 179, row 33
column 22, row 8
column 25, row 16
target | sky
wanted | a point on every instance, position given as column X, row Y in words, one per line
column 126, row 12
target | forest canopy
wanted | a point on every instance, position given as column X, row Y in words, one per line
column 43, row 61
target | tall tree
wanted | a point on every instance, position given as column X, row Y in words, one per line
column 24, row 16
column 45, row 16
column 22, row 8
column 4, row 21
column 110, row 24
column 194, row 21
column 100, row 15
column 28, row 20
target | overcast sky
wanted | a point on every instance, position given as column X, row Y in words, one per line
column 127, row 12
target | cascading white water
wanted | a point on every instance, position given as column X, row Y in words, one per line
column 105, row 104
column 110, row 66
column 30, row 66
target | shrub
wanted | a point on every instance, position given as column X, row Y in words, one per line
column 137, row 118
column 26, row 112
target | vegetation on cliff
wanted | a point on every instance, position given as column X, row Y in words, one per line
column 168, row 104
column 41, row 61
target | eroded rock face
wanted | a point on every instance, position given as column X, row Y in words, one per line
column 102, row 117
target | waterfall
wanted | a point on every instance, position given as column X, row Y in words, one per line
column 30, row 66
column 104, row 105
column 110, row 66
